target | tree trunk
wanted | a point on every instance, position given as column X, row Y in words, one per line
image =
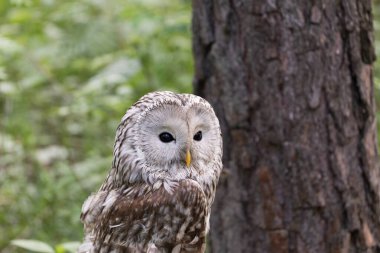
column 291, row 82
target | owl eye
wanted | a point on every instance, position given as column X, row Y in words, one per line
column 198, row 136
column 166, row 137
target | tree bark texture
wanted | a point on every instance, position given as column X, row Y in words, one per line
column 291, row 82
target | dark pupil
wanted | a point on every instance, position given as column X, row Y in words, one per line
column 198, row 136
column 166, row 137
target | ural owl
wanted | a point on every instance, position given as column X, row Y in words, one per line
column 158, row 194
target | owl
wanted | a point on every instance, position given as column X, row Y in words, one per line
column 159, row 191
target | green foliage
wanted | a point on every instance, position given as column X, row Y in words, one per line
column 68, row 71
column 376, row 22
column 42, row 247
column 32, row 245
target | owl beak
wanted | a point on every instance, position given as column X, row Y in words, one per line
column 188, row 158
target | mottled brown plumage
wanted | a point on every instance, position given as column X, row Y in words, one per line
column 158, row 194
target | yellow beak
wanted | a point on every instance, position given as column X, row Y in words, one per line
column 188, row 158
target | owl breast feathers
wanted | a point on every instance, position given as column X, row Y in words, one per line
column 158, row 193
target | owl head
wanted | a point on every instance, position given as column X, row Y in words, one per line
column 168, row 136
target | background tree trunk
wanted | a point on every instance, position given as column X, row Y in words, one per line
column 291, row 82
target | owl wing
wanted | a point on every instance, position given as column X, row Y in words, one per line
column 141, row 218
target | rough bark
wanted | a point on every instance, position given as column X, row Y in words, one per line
column 291, row 82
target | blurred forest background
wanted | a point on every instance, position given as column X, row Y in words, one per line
column 68, row 72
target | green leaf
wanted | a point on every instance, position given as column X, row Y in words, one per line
column 68, row 247
column 33, row 245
